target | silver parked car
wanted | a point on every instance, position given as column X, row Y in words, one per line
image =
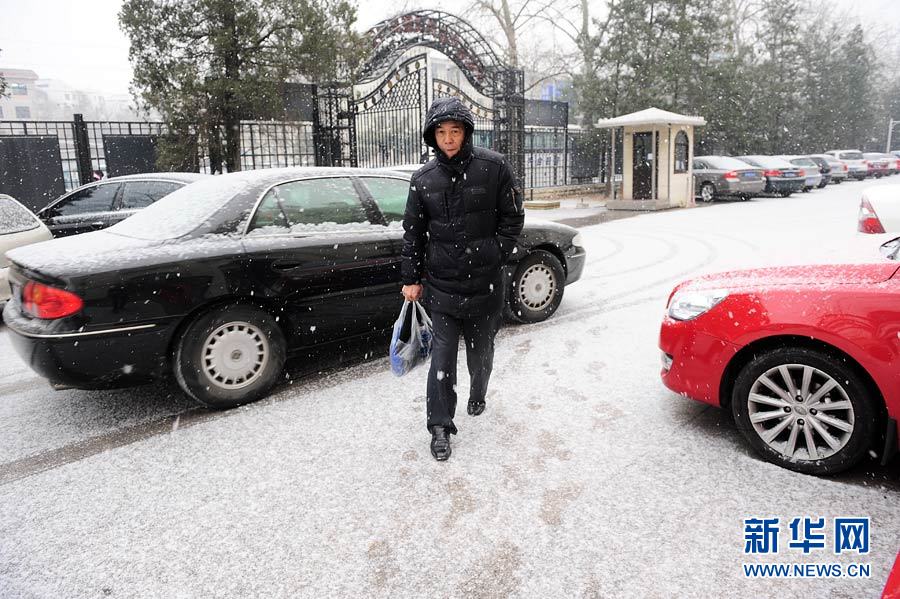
column 839, row 169
column 723, row 176
column 18, row 227
column 811, row 172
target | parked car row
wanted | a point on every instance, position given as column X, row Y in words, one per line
column 750, row 176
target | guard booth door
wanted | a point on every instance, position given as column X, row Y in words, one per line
column 642, row 166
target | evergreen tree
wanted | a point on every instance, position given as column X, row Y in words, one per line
column 205, row 65
column 858, row 125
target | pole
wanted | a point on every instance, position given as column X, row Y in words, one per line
column 890, row 131
column 670, row 157
column 612, row 162
column 653, row 148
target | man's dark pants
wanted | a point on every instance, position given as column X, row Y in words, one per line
column 479, row 335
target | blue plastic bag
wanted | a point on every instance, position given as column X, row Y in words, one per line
column 411, row 339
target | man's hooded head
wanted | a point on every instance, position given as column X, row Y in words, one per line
column 443, row 110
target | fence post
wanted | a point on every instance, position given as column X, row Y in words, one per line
column 566, row 179
column 82, row 150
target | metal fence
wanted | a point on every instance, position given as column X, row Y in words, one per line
column 553, row 156
column 557, row 156
column 64, row 131
column 266, row 144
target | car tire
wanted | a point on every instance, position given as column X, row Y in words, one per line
column 707, row 192
column 781, row 428
column 229, row 356
column 786, row 194
column 807, row 189
column 536, row 288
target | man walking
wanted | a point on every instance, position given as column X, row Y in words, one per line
column 463, row 217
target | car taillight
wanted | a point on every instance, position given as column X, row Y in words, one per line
column 845, row 167
column 868, row 221
column 773, row 173
column 43, row 301
column 732, row 176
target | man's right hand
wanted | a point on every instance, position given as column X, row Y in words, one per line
column 412, row 293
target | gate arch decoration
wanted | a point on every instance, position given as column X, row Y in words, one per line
column 452, row 36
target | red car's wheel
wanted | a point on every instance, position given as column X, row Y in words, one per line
column 804, row 410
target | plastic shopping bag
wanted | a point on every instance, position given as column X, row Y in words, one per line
column 411, row 339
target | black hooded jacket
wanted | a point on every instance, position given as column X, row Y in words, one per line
column 463, row 217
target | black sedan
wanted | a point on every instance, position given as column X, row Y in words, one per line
column 103, row 203
column 220, row 281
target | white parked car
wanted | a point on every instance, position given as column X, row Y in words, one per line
column 857, row 166
column 18, row 227
column 879, row 210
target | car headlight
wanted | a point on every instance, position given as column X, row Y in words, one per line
column 686, row 305
column 577, row 240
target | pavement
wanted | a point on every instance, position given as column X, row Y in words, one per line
column 584, row 477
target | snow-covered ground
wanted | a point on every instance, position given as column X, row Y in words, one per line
column 585, row 477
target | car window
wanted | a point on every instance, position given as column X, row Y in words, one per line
column 93, row 199
column 15, row 218
column 311, row 205
column 140, row 194
column 390, row 195
column 698, row 164
column 851, row 156
column 803, row 162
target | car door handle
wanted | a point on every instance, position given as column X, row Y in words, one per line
column 286, row 265
column 98, row 224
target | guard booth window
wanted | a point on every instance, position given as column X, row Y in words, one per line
column 681, row 152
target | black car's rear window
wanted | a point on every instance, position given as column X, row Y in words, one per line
column 183, row 210
column 15, row 218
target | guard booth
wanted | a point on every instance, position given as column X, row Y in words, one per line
column 656, row 159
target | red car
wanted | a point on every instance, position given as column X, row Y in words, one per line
column 807, row 358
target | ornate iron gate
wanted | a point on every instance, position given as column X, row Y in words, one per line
column 389, row 118
column 455, row 38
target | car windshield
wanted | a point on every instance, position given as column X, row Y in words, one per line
column 15, row 218
column 851, row 156
column 183, row 210
column 727, row 163
column 803, row 162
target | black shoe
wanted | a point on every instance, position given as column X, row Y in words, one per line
column 440, row 443
column 475, row 407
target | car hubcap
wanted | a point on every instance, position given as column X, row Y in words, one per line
column 537, row 287
column 800, row 412
column 234, row 355
column 707, row 193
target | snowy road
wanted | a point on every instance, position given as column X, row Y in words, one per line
column 585, row 477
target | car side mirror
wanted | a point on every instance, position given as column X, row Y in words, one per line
column 889, row 249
